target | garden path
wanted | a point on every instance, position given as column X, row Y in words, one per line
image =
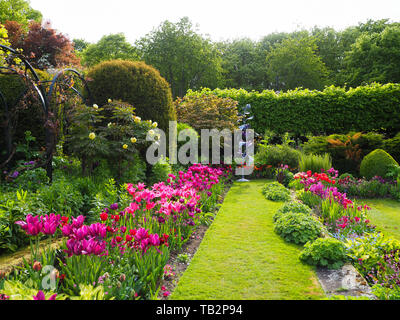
column 242, row 258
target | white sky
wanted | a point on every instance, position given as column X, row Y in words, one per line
column 221, row 19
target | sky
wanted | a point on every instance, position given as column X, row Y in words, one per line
column 220, row 19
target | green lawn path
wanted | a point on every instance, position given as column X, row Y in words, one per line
column 385, row 214
column 242, row 258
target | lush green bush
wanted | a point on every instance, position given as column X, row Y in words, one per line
column 315, row 162
column 346, row 150
column 160, row 171
column 112, row 133
column 377, row 163
column 298, row 227
column 329, row 111
column 276, row 155
column 324, row 252
column 392, row 146
column 275, row 191
column 292, row 206
column 137, row 84
column 208, row 112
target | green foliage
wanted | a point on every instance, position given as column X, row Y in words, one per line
column 376, row 163
column 110, row 47
column 294, row 63
column 275, row 191
column 347, row 150
column 276, row 155
column 324, row 252
column 18, row 10
column 298, row 227
column 314, row 162
column 207, row 112
column 135, row 83
column 88, row 292
column 243, row 61
column 160, row 171
column 61, row 197
column 392, row 146
column 384, row 293
column 320, row 112
column 368, row 251
column 112, row 132
column 308, row 198
column 19, row 291
column 184, row 58
column 292, row 206
column 374, row 57
column 13, row 207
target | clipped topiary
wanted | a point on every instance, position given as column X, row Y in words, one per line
column 136, row 83
column 376, row 163
column 324, row 252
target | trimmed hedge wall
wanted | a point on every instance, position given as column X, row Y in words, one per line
column 333, row 110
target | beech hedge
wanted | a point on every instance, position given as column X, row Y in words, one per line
column 333, row 110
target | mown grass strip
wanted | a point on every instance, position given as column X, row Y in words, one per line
column 241, row 257
column 385, row 214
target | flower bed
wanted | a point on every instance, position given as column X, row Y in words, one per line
column 122, row 255
column 371, row 253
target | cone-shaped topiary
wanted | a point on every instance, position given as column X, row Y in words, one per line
column 376, row 163
column 136, row 83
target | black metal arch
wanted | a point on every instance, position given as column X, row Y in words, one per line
column 45, row 101
column 63, row 72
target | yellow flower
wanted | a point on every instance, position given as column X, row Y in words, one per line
column 109, row 124
column 155, row 125
column 109, row 100
column 125, row 146
column 137, row 119
column 151, row 132
column 92, row 136
column 95, row 106
column 133, row 140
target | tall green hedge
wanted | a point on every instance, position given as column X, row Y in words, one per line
column 333, row 110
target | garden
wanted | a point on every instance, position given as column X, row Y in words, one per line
column 85, row 215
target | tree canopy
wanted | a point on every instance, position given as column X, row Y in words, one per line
column 111, row 47
column 184, row 58
column 19, row 11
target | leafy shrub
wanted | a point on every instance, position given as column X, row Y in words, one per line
column 346, row 175
column 376, row 163
column 276, row 155
column 276, row 192
column 61, row 197
column 160, row 171
column 324, row 252
column 298, row 227
column 208, row 112
column 292, row 206
column 392, row 146
column 112, row 133
column 136, row 83
column 315, row 162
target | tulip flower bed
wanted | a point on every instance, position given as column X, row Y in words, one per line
column 123, row 255
column 375, row 255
